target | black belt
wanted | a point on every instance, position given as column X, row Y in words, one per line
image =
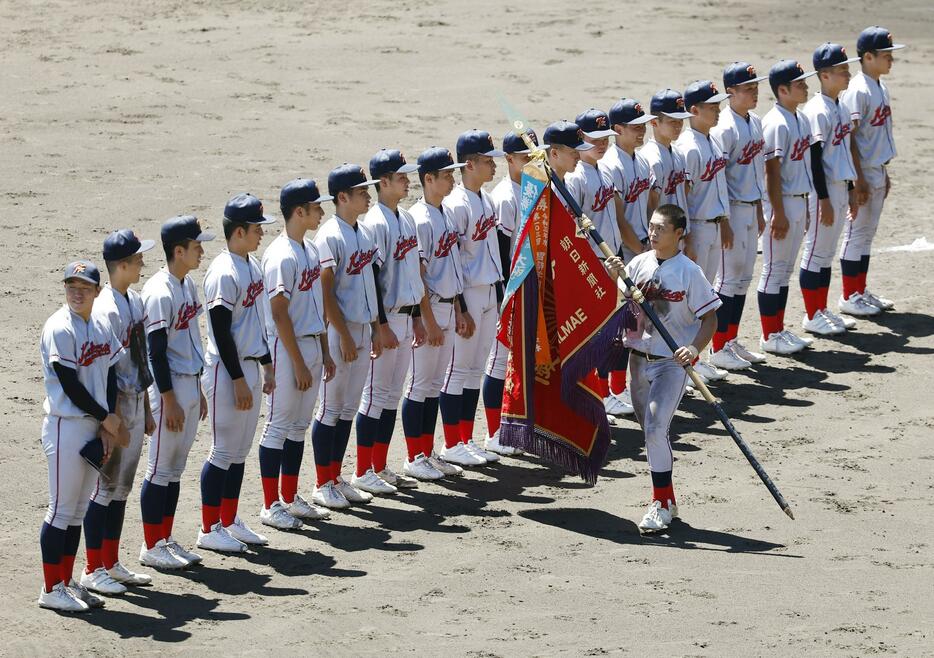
column 252, row 358
column 801, row 196
column 445, row 300
column 745, row 203
column 407, row 310
column 649, row 357
column 310, row 335
column 715, row 220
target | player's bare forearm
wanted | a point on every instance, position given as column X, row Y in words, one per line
column 279, row 307
column 706, row 331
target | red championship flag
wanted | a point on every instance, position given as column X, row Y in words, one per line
column 559, row 322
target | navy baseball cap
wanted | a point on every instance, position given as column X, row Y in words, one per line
column 300, row 191
column 565, row 133
column 244, row 208
column 347, row 177
column 84, row 270
column 594, row 123
column 628, row 112
column 476, row 142
column 670, row 103
column 831, row 54
column 741, row 73
column 437, row 158
column 512, row 143
column 786, row 72
column 123, row 244
column 876, row 38
column 389, row 161
column 702, row 91
column 182, row 228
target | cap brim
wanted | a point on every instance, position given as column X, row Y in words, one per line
column 645, row 118
column 323, row 198
column 452, row 167
column 495, row 153
column 266, row 220
column 205, row 236
column 145, row 245
column 407, row 168
column 583, row 146
column 894, row 46
column 718, row 98
column 802, row 77
column 600, row 134
column 755, row 80
column 678, row 115
column 82, row 277
column 364, row 184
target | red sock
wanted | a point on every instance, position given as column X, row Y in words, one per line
column 719, row 340
column 603, row 387
column 413, row 446
column 322, row 474
column 94, row 560
column 452, row 435
column 770, row 325
column 52, row 574
column 364, row 459
column 428, row 444
column 289, row 487
column 492, row 419
column 380, row 454
column 68, row 568
column 466, row 430
column 270, row 491
column 210, row 514
column 862, row 282
column 617, row 381
column 110, row 552
column 229, row 510
column 780, row 324
column 824, row 293
column 732, row 332
column 335, row 470
column 168, row 522
column 153, row 532
column 663, row 495
column 850, row 286
column 812, row 301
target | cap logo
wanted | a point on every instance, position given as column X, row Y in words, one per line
column 402, row 158
column 679, row 103
column 800, row 70
column 751, row 70
column 489, row 141
column 261, row 209
column 638, row 108
column 78, row 268
column 601, row 122
column 580, row 134
column 843, row 50
column 532, row 135
column 713, row 88
column 888, row 37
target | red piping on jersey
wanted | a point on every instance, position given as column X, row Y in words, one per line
column 58, row 452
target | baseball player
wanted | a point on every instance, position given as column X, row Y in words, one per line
column 505, row 198
column 475, row 220
column 238, row 369
column 833, row 174
column 739, row 132
column 686, row 304
column 300, row 356
column 172, row 308
column 787, row 154
column 122, row 308
column 353, row 307
column 443, row 278
column 667, row 173
column 708, row 201
column 79, row 355
column 873, row 146
column 399, row 280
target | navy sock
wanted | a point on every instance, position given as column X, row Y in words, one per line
column 113, row 526
column 850, row 267
column 270, row 462
column 864, row 264
column 152, row 501
column 367, row 429
column 171, row 497
column 292, row 453
column 739, row 303
column 660, row 480
column 72, row 539
column 413, row 415
column 51, row 543
column 493, row 392
column 341, row 439
column 322, row 442
column 430, row 416
column 825, row 277
column 724, row 313
column 809, row 280
column 450, row 408
column 469, row 401
column 782, row 298
column 212, row 484
column 387, row 424
column 94, row 520
column 233, row 481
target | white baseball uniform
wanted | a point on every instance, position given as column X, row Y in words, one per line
column 349, row 251
column 90, row 348
column 742, row 141
column 173, row 305
column 667, row 174
column 631, row 178
column 400, row 282
column 593, row 189
column 235, row 283
column 293, row 269
column 437, row 245
column 788, row 138
column 505, row 197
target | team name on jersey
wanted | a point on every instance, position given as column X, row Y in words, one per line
column 801, row 146
column 675, row 179
column 881, row 115
column 484, row 225
column 603, row 197
column 309, row 276
column 750, row 151
column 445, row 243
column 358, row 260
column 90, row 351
column 654, row 291
column 252, row 292
column 714, row 165
column 636, row 187
column 840, row 131
column 403, row 246
column 185, row 314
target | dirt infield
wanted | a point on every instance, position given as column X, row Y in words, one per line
column 124, row 114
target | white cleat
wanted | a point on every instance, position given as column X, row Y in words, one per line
column 656, row 519
column 100, row 582
column 399, row 481
column 490, row 457
column 742, row 352
column 82, row 593
column 839, row 320
column 820, row 325
column 493, row 445
column 710, row 373
column 673, row 509
column 612, row 406
column 803, row 341
column 857, row 306
column 727, row 359
column 444, row 467
column 301, row 509
column 329, row 497
column 126, row 577
column 372, row 483
column 219, row 540
column 160, row 557
column 778, row 344
column 278, row 517
column 461, row 455
column 61, row 599
column 180, row 551
column 243, row 533
column 351, row 493
column 879, row 302
column 625, row 399
column 421, row 469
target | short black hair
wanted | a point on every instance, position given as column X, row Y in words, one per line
column 673, row 215
column 287, row 211
column 170, row 249
column 230, row 226
column 113, row 264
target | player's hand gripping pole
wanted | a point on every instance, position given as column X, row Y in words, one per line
column 585, row 223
